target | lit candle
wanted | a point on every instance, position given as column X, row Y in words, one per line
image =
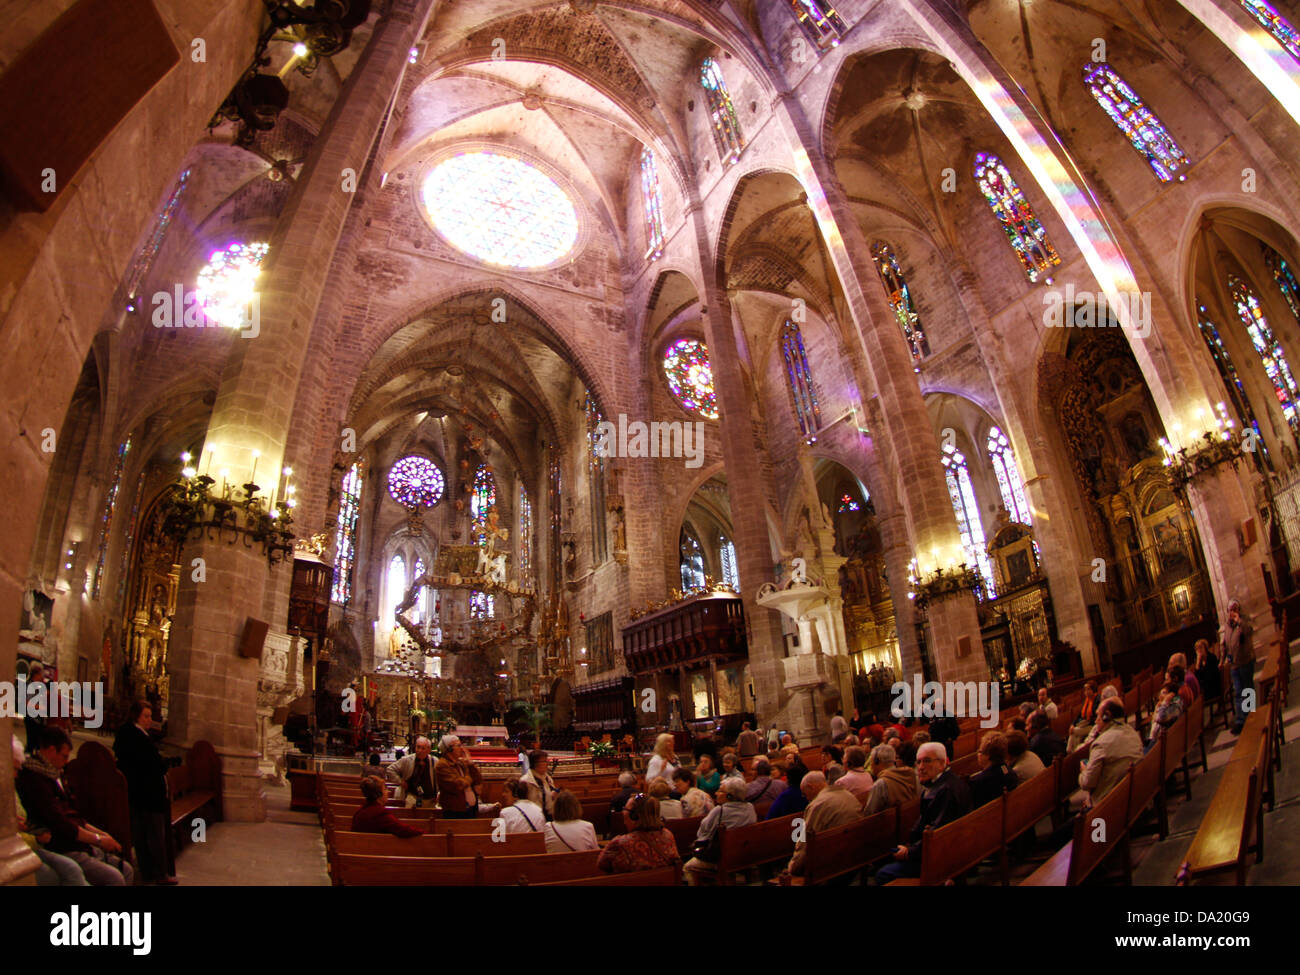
column 252, row 478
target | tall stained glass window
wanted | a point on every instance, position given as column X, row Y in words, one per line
column 690, row 376
column 653, row 201
column 482, row 606
column 106, row 520
column 1271, row 354
column 900, row 299
column 726, row 127
column 1009, row 483
column 819, row 21
column 500, row 210
column 847, row 503
column 421, row 613
column 727, row 556
column 415, row 482
column 1277, row 25
column 394, row 589
column 144, row 260
column 345, row 534
column 1132, row 117
column 525, row 537
column 1026, row 235
column 798, row 374
column 1228, row 373
column 1286, row 281
column 482, row 500
column 692, row 560
column 596, row 473
column 962, row 493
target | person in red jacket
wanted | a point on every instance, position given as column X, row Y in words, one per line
column 374, row 817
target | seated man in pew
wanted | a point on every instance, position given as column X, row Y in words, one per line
column 1046, row 705
column 1025, row 763
column 52, row 808
column 995, row 775
column 764, row 788
column 417, row 775
column 895, row 783
column 374, row 816
column 1043, row 741
column 626, row 790
column 829, row 805
column 1116, row 747
column 945, row 797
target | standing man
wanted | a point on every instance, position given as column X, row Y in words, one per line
column 457, row 778
column 748, row 743
column 416, row 773
column 146, row 789
column 839, row 728
column 1239, row 649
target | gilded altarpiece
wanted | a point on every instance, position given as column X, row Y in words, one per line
column 149, row 608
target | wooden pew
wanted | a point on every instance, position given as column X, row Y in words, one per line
column 754, row 845
column 1072, row 865
column 1024, row 807
column 951, row 851
column 848, row 849
column 100, row 792
column 359, row 870
column 663, row 877
column 384, row 844
column 512, row 844
column 684, row 831
column 966, row 744
column 1149, row 788
column 1233, row 826
column 967, row 765
column 194, row 787
column 1259, row 725
column 504, row 871
column 1067, row 775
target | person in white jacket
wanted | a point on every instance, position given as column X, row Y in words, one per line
column 569, row 833
column 524, row 815
column 663, row 763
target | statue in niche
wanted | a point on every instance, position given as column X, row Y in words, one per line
column 1137, row 440
column 157, row 605
column 620, row 531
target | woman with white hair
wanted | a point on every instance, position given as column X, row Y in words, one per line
column 458, row 778
column 733, row 812
column 663, row 763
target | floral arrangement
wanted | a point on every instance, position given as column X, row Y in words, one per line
column 602, row 749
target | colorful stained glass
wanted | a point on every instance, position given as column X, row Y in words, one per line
column 525, row 536
column 1286, row 281
column 727, row 556
column 345, row 534
column 1271, row 354
column 106, row 520
column 900, row 299
column 482, row 606
column 822, row 25
column 847, row 503
column 1132, row 117
column 500, row 210
column 692, row 561
column 483, row 499
column 962, row 493
column 144, row 260
column 806, row 410
column 1009, row 483
column 415, row 482
column 1228, row 373
column 726, row 127
column 690, row 376
column 653, row 201
column 226, row 285
column 1026, row 235
column 1277, row 25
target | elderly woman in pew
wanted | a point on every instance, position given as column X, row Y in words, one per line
column 733, row 812
column 569, row 832
column 374, row 817
column 646, row 845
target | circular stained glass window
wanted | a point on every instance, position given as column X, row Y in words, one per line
column 686, row 364
column 500, row 210
column 415, row 482
column 226, row 284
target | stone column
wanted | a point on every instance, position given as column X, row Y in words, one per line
column 214, row 690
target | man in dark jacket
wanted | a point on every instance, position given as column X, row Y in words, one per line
column 52, row 808
column 944, row 797
column 1043, row 741
column 146, row 788
column 995, row 774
